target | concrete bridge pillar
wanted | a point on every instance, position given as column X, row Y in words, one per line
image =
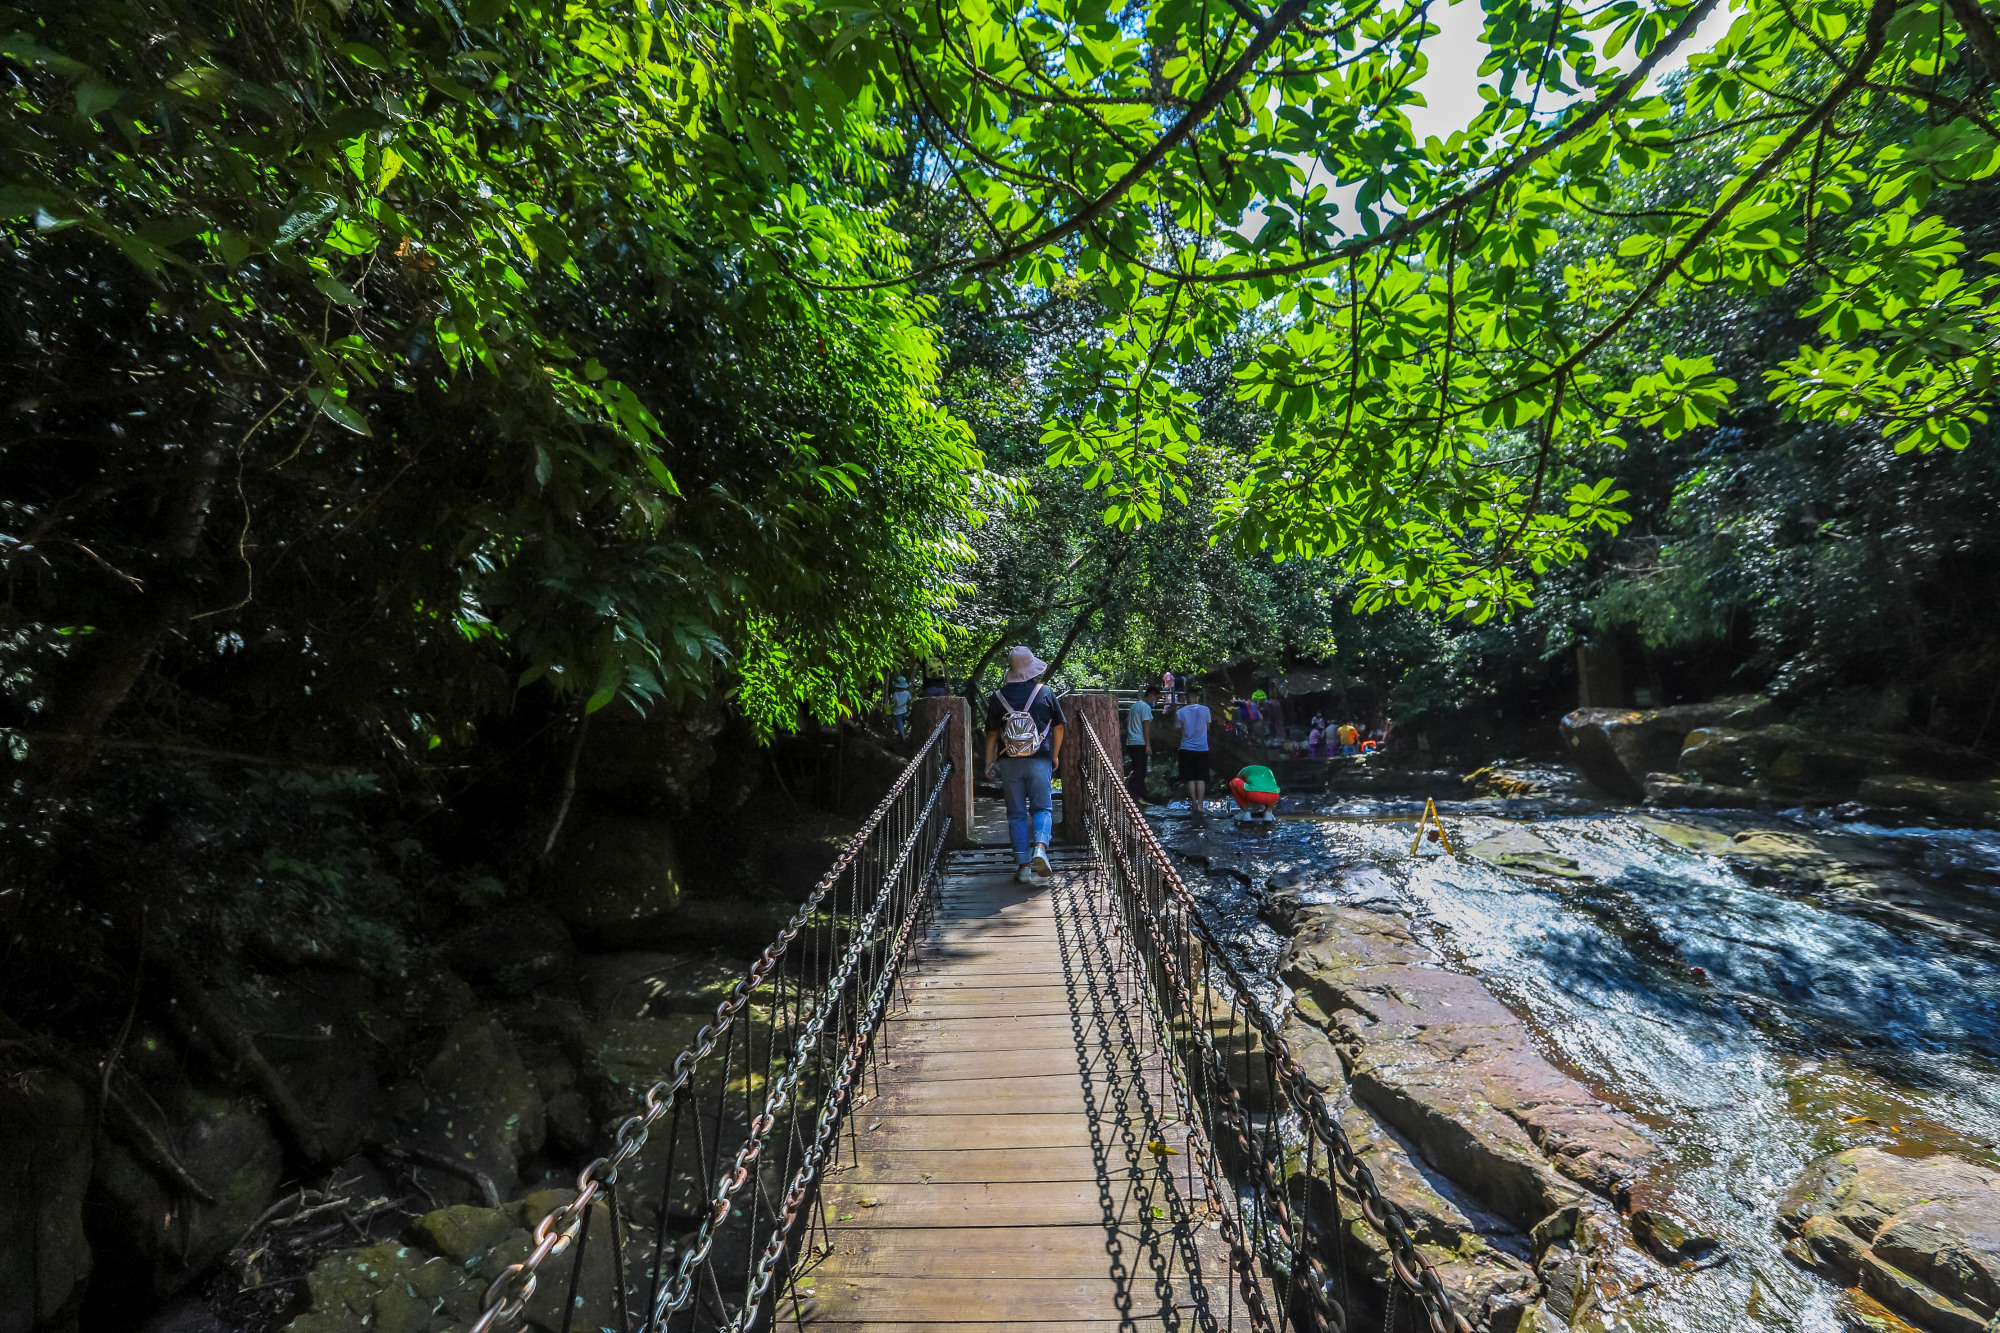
column 924, row 715
column 1099, row 712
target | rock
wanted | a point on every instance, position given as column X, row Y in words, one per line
column 649, row 985
column 1976, row 803
column 1439, row 1060
column 438, row 1284
column 323, row 1030
column 461, row 1232
column 163, row 1239
column 619, row 881
column 474, row 1102
column 1519, row 849
column 1822, row 767
column 48, row 1125
column 736, row 923
column 1451, row 1231
column 514, row 952
column 1671, row 791
column 1668, row 1239
column 1616, row 747
column 655, row 762
column 771, row 852
column 1921, row 1235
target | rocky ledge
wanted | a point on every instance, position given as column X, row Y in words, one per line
column 1739, row 753
column 1920, row 1235
column 1512, row 1173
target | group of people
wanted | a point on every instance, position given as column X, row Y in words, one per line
column 1324, row 741
column 1024, row 742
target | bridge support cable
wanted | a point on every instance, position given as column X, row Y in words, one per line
column 1273, row 1153
column 708, row 1193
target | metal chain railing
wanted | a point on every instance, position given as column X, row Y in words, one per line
column 1230, row 1059
column 822, row 987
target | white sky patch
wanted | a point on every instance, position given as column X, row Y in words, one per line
column 1450, row 85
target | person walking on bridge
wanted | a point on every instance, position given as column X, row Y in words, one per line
column 1139, row 742
column 1024, row 737
column 1194, row 719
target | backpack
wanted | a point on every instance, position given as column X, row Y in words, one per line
column 1020, row 738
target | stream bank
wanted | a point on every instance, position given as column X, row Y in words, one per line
column 1594, row 1052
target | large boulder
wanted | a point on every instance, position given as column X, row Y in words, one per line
column 474, row 1102
column 48, row 1125
column 162, row 1238
column 1792, row 763
column 437, row 1284
column 1618, row 747
column 1437, row 1058
column 1920, row 1235
column 657, row 761
column 1957, row 802
column 619, row 880
column 521, row 950
column 1482, row 1279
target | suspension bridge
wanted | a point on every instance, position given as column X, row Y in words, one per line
column 942, row 1101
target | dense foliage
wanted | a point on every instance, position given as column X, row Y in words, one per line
column 403, row 353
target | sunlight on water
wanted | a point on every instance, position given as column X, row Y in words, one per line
column 1753, row 1031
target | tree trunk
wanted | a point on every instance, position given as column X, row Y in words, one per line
column 104, row 665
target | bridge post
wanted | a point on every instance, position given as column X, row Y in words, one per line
column 1097, row 710
column 924, row 715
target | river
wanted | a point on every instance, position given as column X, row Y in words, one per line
column 1751, row 1028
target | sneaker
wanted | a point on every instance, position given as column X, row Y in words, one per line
column 1026, row 875
column 1039, row 863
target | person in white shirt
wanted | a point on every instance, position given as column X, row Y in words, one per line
column 1139, row 742
column 1194, row 718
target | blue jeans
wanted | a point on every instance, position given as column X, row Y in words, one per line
column 1025, row 783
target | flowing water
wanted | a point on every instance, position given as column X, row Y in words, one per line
column 1751, row 1029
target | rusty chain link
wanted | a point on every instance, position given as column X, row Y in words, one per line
column 509, row 1293
column 1406, row 1262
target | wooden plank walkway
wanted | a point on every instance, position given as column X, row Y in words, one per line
column 1006, row 1166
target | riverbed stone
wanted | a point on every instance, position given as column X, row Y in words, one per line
column 1617, row 747
column 619, row 880
column 1921, row 1235
column 474, row 1102
column 49, row 1125
column 1976, row 803
column 1674, row 792
column 1522, row 850
column 1793, row 763
column 1442, row 1062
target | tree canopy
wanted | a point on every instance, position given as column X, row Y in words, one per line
column 603, row 337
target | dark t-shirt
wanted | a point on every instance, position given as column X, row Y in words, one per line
column 1045, row 710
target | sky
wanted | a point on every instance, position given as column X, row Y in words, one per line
column 1451, row 84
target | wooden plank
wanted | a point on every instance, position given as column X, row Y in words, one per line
column 1040, row 1203
column 991, row 1033
column 991, row 1251
column 970, row 1166
column 1006, row 1299
column 908, row 1065
column 1047, row 1093
column 892, row 1130
column 1183, row 1323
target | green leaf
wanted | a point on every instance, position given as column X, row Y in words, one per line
column 93, row 97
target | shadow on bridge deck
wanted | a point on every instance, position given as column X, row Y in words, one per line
column 1020, row 1159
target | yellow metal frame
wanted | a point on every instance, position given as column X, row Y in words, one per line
column 1431, row 819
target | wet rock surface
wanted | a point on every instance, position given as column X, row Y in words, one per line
column 1450, row 1068
column 1920, row 1235
column 1618, row 747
